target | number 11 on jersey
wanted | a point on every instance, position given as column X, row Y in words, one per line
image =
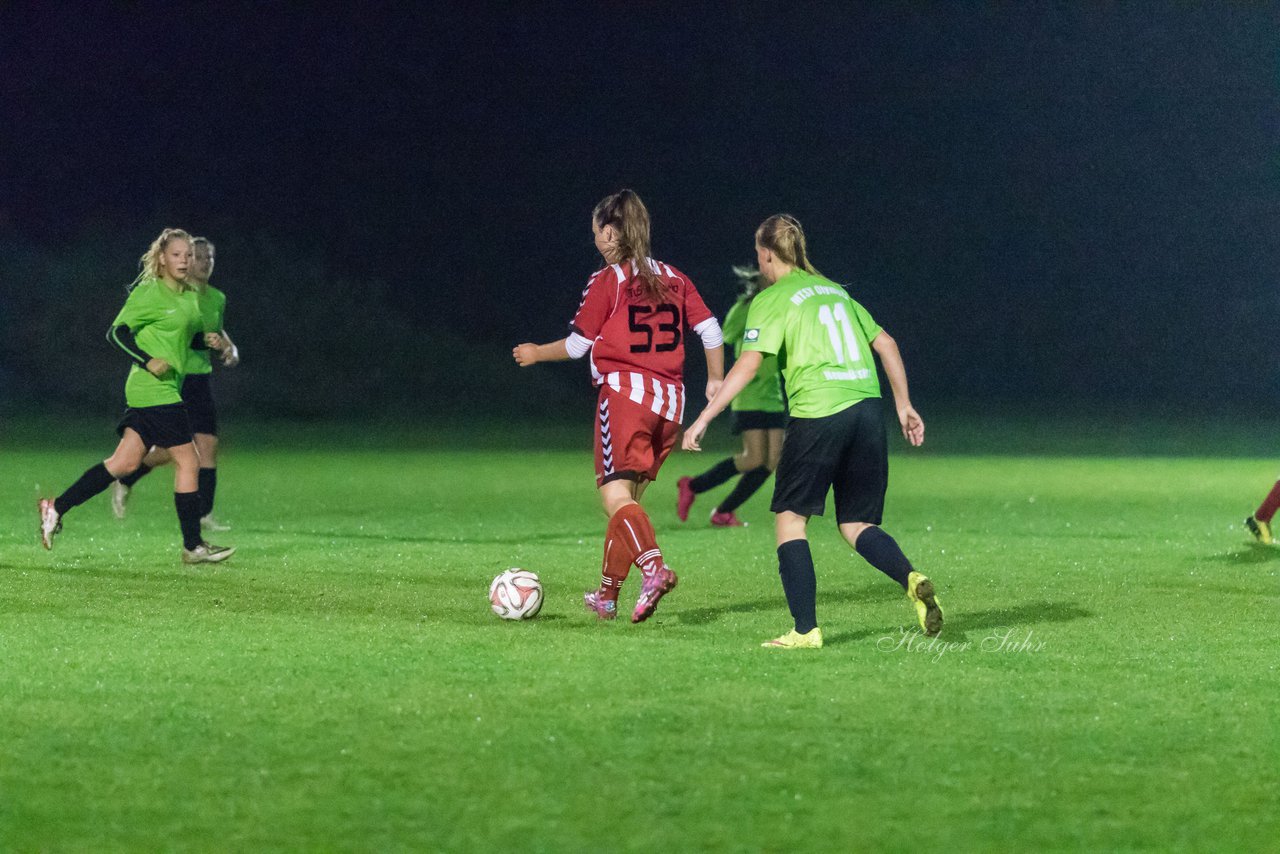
column 830, row 318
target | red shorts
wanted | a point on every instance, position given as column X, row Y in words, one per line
column 631, row 440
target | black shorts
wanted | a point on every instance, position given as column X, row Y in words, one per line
column 197, row 394
column 755, row 419
column 159, row 426
column 847, row 451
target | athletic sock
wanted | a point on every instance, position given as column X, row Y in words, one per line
column 93, row 481
column 1269, row 505
column 882, row 551
column 188, row 506
column 208, row 486
column 744, row 489
column 635, row 534
column 617, row 560
column 795, row 565
column 714, row 476
column 131, row 479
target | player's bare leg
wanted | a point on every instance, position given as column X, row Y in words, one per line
column 123, row 487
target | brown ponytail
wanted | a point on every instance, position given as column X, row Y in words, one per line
column 625, row 212
column 783, row 235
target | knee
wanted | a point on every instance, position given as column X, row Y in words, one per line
column 790, row 526
column 119, row 466
column 750, row 459
column 613, row 506
column 852, row 530
column 185, row 461
column 207, row 449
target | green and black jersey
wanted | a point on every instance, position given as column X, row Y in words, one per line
column 764, row 392
column 822, row 339
column 213, row 306
column 156, row 323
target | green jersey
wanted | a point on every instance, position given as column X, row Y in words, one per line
column 822, row 339
column 213, row 306
column 764, row 392
column 163, row 324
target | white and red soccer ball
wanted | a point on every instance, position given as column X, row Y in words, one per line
column 516, row 594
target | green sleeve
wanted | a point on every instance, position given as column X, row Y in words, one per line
column 766, row 323
column 222, row 312
column 863, row 318
column 735, row 323
column 139, row 309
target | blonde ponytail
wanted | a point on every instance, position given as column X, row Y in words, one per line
column 783, row 235
column 149, row 263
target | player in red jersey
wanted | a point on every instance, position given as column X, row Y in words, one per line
column 1259, row 524
column 633, row 319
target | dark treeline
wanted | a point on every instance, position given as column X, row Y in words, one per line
column 321, row 342
column 1072, row 204
column 315, row 343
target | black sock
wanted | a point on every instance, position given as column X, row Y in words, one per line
column 208, row 486
column 795, row 565
column 882, row 552
column 188, row 506
column 744, row 489
column 93, row 481
column 131, row 479
column 714, row 476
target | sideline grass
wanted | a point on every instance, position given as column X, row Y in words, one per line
column 340, row 683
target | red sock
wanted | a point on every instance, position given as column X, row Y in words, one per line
column 617, row 561
column 634, row 532
column 1269, row 504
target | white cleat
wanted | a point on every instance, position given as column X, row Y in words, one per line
column 208, row 523
column 120, row 499
column 207, row 553
column 50, row 522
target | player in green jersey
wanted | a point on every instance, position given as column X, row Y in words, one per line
column 836, row 435
column 197, row 393
column 157, row 328
column 759, row 414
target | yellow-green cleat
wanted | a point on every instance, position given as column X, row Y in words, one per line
column 1261, row 530
column 811, row 639
column 928, row 608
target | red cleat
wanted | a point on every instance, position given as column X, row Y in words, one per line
column 726, row 520
column 685, row 498
column 605, row 609
column 657, row 585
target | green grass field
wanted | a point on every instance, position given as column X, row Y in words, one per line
column 340, row 684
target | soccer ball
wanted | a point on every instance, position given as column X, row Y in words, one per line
column 516, row 594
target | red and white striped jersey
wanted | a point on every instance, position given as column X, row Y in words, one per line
column 637, row 345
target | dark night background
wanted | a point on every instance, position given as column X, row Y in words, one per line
column 1067, row 205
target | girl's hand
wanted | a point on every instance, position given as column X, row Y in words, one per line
column 713, row 386
column 912, row 425
column 693, row 436
column 158, row 368
column 525, row 354
column 214, row 341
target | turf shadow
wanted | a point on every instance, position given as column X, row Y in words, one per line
column 958, row 625
column 701, row 616
column 1254, row 554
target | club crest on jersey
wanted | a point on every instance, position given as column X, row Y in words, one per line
column 751, row 335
